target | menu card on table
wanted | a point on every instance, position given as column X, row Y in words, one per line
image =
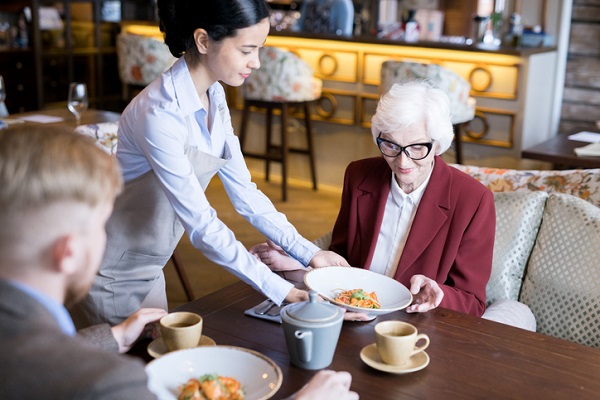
column 592, row 149
column 42, row 119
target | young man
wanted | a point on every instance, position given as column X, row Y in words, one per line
column 57, row 192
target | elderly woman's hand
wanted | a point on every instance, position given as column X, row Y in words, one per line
column 427, row 293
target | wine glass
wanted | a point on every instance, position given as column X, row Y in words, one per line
column 3, row 110
column 78, row 99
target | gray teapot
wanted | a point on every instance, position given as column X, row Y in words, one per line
column 312, row 329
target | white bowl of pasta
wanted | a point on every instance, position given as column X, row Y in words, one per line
column 359, row 290
column 258, row 376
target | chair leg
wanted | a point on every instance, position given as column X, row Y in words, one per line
column 284, row 150
column 458, row 143
column 309, row 141
column 269, row 141
column 187, row 287
column 244, row 127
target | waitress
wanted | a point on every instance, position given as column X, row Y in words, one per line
column 173, row 138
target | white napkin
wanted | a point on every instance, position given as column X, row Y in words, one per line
column 590, row 137
column 592, row 149
column 42, row 119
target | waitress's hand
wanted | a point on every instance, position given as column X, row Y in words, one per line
column 428, row 294
column 274, row 257
column 295, row 295
column 356, row 316
column 326, row 258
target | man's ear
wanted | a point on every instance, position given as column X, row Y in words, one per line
column 201, row 39
column 64, row 255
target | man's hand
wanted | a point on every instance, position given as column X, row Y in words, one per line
column 427, row 294
column 327, row 385
column 130, row 330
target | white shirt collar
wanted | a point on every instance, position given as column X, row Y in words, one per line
column 398, row 195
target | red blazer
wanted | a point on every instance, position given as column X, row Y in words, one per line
column 451, row 239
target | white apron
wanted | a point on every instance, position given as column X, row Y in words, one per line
column 142, row 233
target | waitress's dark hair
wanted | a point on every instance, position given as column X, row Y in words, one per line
column 219, row 18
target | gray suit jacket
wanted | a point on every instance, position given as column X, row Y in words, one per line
column 37, row 360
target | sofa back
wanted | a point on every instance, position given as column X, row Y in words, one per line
column 562, row 279
column 547, row 255
column 582, row 183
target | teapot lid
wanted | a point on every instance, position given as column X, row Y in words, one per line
column 313, row 310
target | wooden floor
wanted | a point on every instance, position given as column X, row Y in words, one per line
column 313, row 213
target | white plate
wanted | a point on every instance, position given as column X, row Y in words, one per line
column 259, row 376
column 392, row 295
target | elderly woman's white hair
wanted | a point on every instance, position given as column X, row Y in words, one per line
column 415, row 101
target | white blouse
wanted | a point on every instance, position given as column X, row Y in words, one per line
column 399, row 213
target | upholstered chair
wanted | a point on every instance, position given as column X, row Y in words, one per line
column 141, row 59
column 286, row 83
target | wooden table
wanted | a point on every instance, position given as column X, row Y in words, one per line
column 471, row 358
column 560, row 151
column 88, row 117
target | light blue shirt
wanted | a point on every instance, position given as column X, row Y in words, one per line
column 153, row 133
column 58, row 311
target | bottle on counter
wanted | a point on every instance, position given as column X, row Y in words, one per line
column 516, row 29
column 411, row 27
column 22, row 39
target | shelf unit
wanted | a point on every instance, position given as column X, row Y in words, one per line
column 38, row 75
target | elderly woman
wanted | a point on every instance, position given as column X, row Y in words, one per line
column 408, row 214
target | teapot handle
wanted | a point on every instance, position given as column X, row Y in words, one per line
column 304, row 345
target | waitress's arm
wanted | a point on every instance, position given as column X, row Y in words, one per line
column 257, row 208
column 161, row 137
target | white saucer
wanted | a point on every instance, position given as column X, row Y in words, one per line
column 370, row 356
column 157, row 347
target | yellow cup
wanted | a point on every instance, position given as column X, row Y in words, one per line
column 396, row 341
column 181, row 330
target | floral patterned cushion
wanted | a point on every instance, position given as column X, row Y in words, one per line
column 142, row 58
column 461, row 105
column 282, row 76
column 582, row 183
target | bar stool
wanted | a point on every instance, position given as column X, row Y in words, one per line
column 283, row 83
column 462, row 106
column 141, row 59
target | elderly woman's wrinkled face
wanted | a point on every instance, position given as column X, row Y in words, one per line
column 410, row 174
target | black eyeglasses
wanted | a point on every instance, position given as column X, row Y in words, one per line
column 417, row 151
